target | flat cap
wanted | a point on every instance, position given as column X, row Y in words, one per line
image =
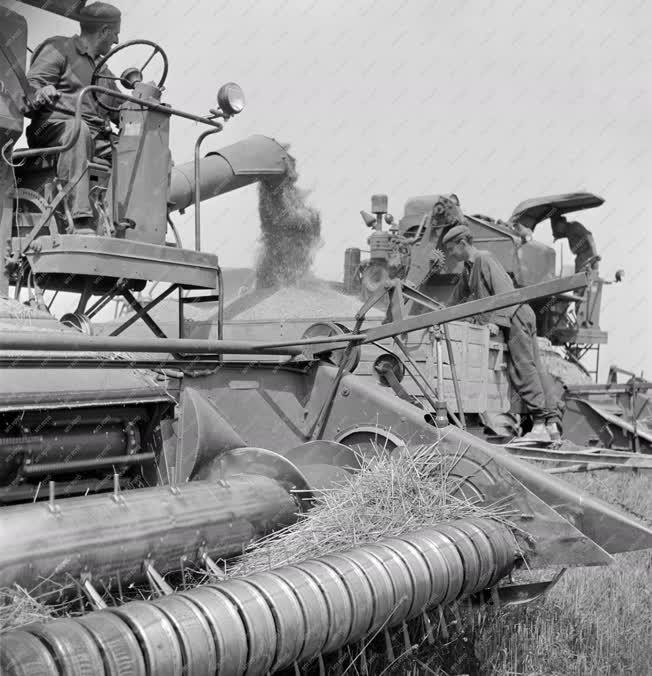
column 455, row 232
column 99, row 13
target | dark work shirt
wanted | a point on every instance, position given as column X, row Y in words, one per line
column 581, row 243
column 483, row 278
column 66, row 64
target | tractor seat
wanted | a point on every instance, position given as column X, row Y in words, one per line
column 48, row 163
column 38, row 163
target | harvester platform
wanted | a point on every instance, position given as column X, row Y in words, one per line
column 92, row 256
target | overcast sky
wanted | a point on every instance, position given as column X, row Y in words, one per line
column 496, row 101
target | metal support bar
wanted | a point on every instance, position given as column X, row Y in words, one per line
column 456, row 382
column 476, row 307
column 142, row 311
column 319, row 426
column 159, row 586
column 93, row 596
column 586, row 467
column 197, row 171
column 423, row 384
column 212, row 567
column 46, row 468
column 49, row 212
column 158, row 107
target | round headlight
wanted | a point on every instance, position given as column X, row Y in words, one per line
column 230, row 98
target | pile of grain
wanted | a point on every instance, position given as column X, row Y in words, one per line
column 290, row 231
column 388, row 496
column 563, row 371
column 308, row 299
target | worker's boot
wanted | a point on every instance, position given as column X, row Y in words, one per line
column 539, row 432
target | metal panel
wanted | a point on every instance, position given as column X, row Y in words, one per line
column 116, row 258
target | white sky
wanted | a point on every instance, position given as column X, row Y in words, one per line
column 495, row 101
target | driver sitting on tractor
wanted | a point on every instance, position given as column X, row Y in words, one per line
column 61, row 67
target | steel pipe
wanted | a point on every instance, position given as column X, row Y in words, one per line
column 289, row 615
column 108, row 535
column 70, row 342
column 245, row 162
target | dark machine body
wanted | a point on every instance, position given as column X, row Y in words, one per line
column 127, row 459
column 611, row 415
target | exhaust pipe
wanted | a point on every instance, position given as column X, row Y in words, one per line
column 253, row 159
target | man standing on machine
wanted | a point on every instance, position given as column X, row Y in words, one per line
column 61, row 67
column 483, row 276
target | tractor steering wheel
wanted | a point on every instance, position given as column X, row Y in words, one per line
column 97, row 75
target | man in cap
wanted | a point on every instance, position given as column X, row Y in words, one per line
column 483, row 276
column 61, row 67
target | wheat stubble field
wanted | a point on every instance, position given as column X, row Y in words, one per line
column 596, row 621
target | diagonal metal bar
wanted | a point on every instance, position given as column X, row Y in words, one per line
column 476, row 307
column 142, row 311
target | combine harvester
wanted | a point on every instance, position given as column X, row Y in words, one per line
column 457, row 371
column 124, row 460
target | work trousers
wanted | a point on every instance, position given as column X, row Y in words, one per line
column 93, row 142
column 528, row 377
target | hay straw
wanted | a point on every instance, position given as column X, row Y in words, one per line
column 388, row 496
column 18, row 607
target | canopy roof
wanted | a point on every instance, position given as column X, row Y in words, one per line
column 531, row 212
